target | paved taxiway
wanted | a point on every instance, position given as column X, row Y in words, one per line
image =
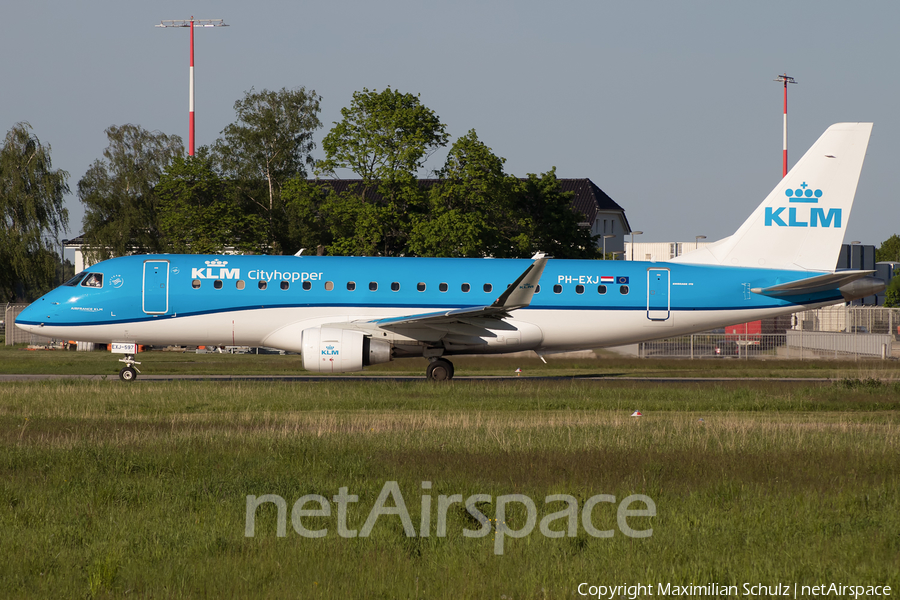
column 324, row 378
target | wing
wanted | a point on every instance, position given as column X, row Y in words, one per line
column 517, row 295
column 459, row 327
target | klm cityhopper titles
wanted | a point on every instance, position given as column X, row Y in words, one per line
column 343, row 313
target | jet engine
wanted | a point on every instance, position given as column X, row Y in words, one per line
column 333, row 350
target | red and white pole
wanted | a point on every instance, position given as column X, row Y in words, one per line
column 191, row 98
column 192, row 23
column 784, row 145
column 784, row 155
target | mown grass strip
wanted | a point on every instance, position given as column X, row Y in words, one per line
column 110, row 490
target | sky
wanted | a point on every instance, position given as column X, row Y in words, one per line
column 670, row 107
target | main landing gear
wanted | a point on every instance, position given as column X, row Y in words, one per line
column 129, row 372
column 439, row 369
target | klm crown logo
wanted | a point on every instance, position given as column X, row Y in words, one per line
column 208, row 272
column 330, row 351
column 798, row 216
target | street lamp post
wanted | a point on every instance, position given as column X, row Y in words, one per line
column 853, row 243
column 62, row 261
column 634, row 233
column 697, row 239
column 608, row 235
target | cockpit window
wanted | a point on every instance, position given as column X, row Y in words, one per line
column 94, row 280
column 76, row 280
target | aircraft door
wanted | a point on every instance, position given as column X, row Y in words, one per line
column 658, row 303
column 156, row 287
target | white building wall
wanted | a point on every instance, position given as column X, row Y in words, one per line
column 610, row 223
column 659, row 251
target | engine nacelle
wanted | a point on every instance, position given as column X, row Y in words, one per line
column 333, row 350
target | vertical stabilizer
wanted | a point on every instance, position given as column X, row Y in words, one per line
column 801, row 224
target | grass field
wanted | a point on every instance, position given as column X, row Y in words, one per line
column 118, row 490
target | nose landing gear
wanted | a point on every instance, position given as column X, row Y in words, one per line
column 129, row 372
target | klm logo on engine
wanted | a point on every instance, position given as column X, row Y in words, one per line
column 802, row 216
column 215, row 269
column 330, row 351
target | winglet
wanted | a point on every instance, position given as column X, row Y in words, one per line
column 520, row 292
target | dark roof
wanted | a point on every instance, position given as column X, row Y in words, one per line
column 589, row 199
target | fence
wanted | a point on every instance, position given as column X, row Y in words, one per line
column 836, row 332
column 13, row 334
column 793, row 344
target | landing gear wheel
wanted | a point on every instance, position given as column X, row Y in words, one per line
column 128, row 374
column 439, row 370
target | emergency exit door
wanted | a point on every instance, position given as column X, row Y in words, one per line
column 156, row 287
column 658, row 303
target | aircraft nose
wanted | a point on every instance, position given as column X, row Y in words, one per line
column 35, row 315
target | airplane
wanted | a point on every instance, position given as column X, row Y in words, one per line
column 345, row 313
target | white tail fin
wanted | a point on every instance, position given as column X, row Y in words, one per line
column 801, row 223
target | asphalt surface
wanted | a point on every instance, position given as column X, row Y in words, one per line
column 324, row 378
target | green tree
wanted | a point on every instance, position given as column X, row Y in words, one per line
column 269, row 144
column 307, row 204
column 194, row 215
column 470, row 209
column 889, row 250
column 385, row 138
column 121, row 206
column 33, row 216
column 892, row 293
column 546, row 221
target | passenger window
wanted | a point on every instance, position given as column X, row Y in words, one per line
column 601, row 289
column 443, row 287
column 537, row 290
column 420, row 286
column 262, row 285
column 195, row 284
column 240, row 284
column 94, row 280
column 373, row 286
column 351, row 285
column 579, row 289
column 557, row 289
column 465, row 287
column 306, row 286
column 623, row 289
column 217, row 284
column 285, row 285
column 329, row 285
column 395, row 287
column 488, row 287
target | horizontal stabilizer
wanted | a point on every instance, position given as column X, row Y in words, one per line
column 812, row 285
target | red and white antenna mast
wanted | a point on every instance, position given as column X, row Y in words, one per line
column 192, row 22
column 784, row 162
